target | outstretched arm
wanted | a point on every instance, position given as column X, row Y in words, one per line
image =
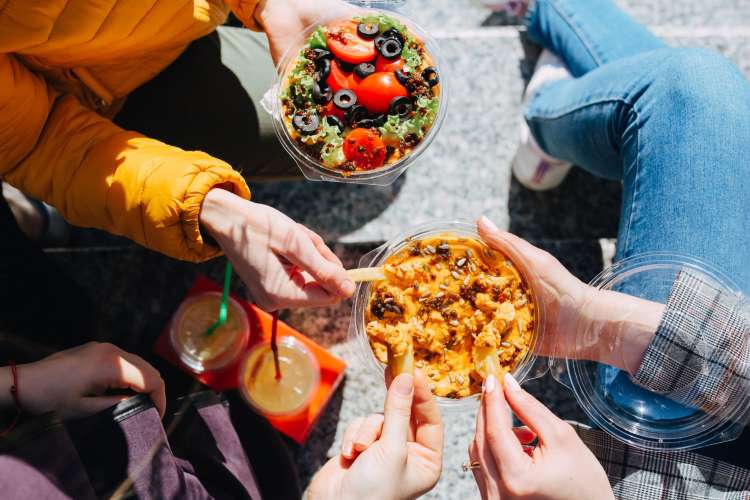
column 695, row 349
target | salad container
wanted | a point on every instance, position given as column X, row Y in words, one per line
column 531, row 366
column 359, row 98
column 615, row 401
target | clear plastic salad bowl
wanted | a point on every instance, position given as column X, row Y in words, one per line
column 310, row 161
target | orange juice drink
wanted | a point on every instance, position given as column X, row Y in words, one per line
column 287, row 395
column 201, row 352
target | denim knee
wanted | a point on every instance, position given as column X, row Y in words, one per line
column 701, row 80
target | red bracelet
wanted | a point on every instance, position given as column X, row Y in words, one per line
column 16, row 400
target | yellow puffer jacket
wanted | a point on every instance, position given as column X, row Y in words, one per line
column 65, row 67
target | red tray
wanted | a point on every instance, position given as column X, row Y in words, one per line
column 332, row 368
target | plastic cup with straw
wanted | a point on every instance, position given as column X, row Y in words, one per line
column 223, row 318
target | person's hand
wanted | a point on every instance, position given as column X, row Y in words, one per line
column 74, row 382
column 562, row 293
column 284, row 264
column 284, row 20
column 580, row 321
column 391, row 457
column 560, row 467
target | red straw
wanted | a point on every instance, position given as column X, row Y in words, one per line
column 274, row 346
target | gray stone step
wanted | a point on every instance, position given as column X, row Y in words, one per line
column 452, row 15
column 466, row 171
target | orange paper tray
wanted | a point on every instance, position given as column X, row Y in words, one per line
column 332, row 369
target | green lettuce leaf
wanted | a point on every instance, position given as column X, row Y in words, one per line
column 332, row 150
column 395, row 129
column 384, row 23
column 332, row 153
column 411, row 58
column 318, row 39
column 299, row 90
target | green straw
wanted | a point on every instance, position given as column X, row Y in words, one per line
column 224, row 301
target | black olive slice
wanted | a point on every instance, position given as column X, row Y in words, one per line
column 402, row 77
column 324, row 68
column 321, row 54
column 394, row 33
column 400, row 106
column 391, row 48
column 335, row 121
column 365, row 123
column 356, row 114
column 430, row 75
column 379, row 120
column 306, row 123
column 379, row 41
column 321, row 93
column 344, row 99
column 367, row 30
column 345, row 66
column 363, row 70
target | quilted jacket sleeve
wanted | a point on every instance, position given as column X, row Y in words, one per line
column 245, row 12
column 99, row 175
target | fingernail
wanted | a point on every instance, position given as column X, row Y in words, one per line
column 348, row 287
column 490, row 383
column 348, row 448
column 403, row 384
column 511, row 383
column 488, row 223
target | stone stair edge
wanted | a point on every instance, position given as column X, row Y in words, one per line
column 665, row 31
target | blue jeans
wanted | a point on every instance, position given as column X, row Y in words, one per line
column 672, row 124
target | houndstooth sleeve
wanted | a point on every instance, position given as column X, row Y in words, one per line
column 700, row 355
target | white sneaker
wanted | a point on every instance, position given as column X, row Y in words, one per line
column 515, row 8
column 532, row 167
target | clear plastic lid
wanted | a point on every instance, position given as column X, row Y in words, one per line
column 194, row 316
column 683, row 391
column 529, row 367
column 283, row 397
column 313, row 167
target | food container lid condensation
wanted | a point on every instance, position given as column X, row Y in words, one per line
column 622, row 406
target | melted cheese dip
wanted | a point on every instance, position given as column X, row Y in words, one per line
column 451, row 296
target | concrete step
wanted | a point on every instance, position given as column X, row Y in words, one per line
column 452, row 15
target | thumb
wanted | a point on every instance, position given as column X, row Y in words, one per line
column 531, row 412
column 398, row 410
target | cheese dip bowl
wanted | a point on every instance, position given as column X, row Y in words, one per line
column 458, row 305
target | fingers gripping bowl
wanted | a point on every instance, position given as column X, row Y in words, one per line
column 459, row 309
column 360, row 98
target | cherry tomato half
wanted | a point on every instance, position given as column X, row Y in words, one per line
column 365, row 148
column 348, row 46
column 338, row 79
column 383, row 64
column 378, row 90
column 353, row 81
